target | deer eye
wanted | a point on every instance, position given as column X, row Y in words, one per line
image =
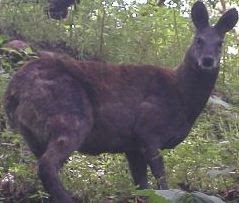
column 199, row 41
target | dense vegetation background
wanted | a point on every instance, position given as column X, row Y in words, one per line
column 118, row 31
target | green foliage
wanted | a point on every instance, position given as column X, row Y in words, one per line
column 11, row 59
column 152, row 196
column 90, row 176
column 120, row 33
column 212, row 144
column 18, row 176
column 17, row 165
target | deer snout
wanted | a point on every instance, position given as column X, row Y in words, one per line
column 207, row 62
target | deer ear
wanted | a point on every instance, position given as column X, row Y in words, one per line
column 199, row 15
column 227, row 21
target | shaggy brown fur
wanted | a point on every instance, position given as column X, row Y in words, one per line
column 61, row 105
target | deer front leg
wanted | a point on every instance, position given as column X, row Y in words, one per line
column 138, row 168
column 156, row 163
column 149, row 126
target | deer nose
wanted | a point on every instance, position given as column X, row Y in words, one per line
column 207, row 61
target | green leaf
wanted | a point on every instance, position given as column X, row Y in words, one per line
column 3, row 39
column 152, row 196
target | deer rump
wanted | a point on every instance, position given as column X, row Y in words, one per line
column 61, row 105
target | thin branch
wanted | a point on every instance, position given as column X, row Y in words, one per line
column 102, row 33
column 176, row 30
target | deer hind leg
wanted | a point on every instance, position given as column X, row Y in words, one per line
column 138, row 169
column 58, row 150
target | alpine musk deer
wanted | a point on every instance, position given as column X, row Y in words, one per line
column 61, row 105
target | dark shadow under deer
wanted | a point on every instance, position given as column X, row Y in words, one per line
column 61, row 105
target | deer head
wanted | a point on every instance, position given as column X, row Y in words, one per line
column 206, row 49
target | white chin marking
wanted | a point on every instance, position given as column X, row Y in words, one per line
column 207, row 67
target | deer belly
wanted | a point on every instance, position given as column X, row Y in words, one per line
column 112, row 130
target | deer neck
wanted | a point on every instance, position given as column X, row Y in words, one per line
column 195, row 85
